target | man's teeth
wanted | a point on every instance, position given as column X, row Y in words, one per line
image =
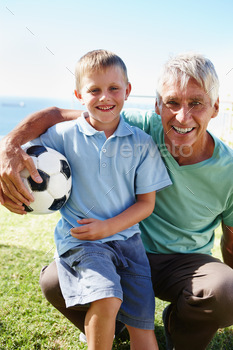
column 182, row 130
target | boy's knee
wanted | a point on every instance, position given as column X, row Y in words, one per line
column 108, row 307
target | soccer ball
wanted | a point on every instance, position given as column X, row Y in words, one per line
column 54, row 191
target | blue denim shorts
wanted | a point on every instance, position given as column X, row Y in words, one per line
column 120, row 269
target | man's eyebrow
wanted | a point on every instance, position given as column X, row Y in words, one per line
column 197, row 97
column 171, row 97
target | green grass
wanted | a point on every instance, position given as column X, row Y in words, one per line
column 27, row 320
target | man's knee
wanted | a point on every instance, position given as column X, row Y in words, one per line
column 49, row 284
column 212, row 301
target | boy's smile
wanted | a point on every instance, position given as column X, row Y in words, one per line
column 103, row 93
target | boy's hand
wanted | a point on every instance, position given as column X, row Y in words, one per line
column 91, row 229
column 12, row 160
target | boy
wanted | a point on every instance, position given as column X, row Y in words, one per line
column 101, row 262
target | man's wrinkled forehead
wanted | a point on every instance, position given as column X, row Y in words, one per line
column 175, row 88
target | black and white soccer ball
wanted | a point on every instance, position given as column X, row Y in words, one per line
column 54, row 191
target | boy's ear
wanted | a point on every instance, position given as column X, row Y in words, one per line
column 128, row 90
column 79, row 97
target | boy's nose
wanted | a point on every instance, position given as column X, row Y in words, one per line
column 104, row 96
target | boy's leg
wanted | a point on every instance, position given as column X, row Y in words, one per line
column 199, row 288
column 141, row 339
column 100, row 323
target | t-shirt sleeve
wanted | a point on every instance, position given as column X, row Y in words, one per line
column 151, row 174
column 137, row 117
column 227, row 215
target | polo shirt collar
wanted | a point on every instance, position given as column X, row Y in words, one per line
column 123, row 128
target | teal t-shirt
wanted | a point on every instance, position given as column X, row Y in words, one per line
column 187, row 213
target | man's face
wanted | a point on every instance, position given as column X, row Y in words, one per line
column 185, row 116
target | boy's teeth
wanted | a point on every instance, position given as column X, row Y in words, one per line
column 182, row 130
column 105, row 108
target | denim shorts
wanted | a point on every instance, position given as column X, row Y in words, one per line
column 120, row 269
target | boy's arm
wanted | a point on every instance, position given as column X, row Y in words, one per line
column 93, row 229
column 13, row 159
column 227, row 245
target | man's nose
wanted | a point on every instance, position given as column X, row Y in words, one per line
column 184, row 114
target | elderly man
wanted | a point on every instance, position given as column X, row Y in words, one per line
column 179, row 235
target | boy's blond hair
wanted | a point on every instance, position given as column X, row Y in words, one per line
column 97, row 60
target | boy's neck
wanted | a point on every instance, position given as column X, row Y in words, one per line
column 108, row 129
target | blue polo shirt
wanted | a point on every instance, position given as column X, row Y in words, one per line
column 106, row 174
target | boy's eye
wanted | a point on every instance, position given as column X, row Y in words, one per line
column 113, row 88
column 92, row 91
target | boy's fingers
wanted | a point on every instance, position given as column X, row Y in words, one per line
column 85, row 221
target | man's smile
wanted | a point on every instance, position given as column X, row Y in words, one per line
column 182, row 130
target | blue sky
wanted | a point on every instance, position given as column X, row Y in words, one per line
column 40, row 41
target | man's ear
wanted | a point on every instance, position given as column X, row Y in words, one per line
column 79, row 97
column 216, row 108
column 157, row 109
column 128, row 90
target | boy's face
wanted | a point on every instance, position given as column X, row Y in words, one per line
column 103, row 93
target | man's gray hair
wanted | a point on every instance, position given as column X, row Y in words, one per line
column 189, row 65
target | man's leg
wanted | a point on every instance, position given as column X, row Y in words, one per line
column 200, row 290
column 51, row 289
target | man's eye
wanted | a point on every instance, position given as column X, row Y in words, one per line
column 195, row 104
column 113, row 88
column 171, row 103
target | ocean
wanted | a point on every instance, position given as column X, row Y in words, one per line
column 14, row 109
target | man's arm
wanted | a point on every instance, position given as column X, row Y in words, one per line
column 13, row 159
column 227, row 244
column 93, row 229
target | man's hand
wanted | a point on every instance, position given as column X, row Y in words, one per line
column 13, row 160
column 91, row 229
column 13, row 207
column 227, row 244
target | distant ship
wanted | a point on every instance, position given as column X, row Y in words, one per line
column 13, row 104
